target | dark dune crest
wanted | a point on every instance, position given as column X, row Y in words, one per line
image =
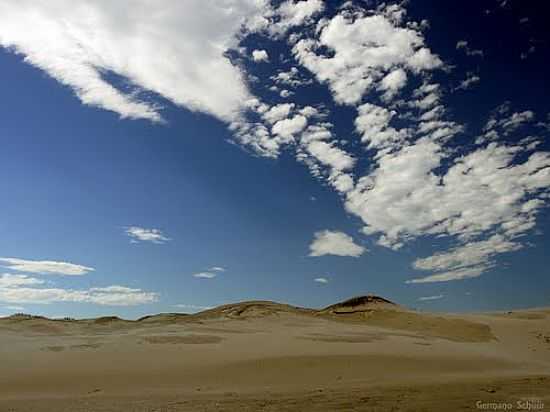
column 362, row 304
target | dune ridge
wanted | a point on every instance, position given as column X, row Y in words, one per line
column 364, row 354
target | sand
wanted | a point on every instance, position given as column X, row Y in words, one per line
column 263, row 356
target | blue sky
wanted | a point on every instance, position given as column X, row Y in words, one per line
column 407, row 157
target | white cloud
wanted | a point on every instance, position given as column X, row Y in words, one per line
column 278, row 112
column 321, row 280
column 216, row 269
column 192, row 308
column 365, row 49
column 428, row 298
column 286, row 93
column 328, row 242
column 260, row 56
column 458, row 274
column 137, row 233
column 516, row 120
column 393, row 82
column 287, row 128
column 415, row 184
column 293, row 13
column 45, row 267
column 290, row 78
column 472, row 254
column 405, row 198
column 466, row 261
column 120, row 296
column 205, row 275
column 18, row 290
column 173, row 48
column 468, row 82
column 330, row 156
column 8, row 280
column 373, row 124
column 463, row 45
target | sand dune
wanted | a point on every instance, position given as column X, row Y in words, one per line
column 362, row 354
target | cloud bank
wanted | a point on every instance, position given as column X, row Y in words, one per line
column 483, row 197
column 23, row 289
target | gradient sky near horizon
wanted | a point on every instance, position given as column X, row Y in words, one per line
column 172, row 156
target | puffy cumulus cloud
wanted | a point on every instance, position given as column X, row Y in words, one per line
column 364, row 51
column 392, row 83
column 260, row 56
column 17, row 289
column 77, row 42
column 372, row 123
column 405, row 198
column 418, row 183
column 137, row 234
column 327, row 242
column 278, row 112
column 277, row 126
column 319, row 151
column 45, row 267
column 330, row 156
column 286, row 129
column 291, row 14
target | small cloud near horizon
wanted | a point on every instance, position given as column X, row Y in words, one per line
column 321, row 280
column 429, row 298
column 205, row 275
column 196, row 308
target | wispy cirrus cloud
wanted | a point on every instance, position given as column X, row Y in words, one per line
column 45, row 267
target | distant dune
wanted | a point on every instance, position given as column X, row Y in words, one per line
column 363, row 354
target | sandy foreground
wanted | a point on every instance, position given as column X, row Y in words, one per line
column 263, row 356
